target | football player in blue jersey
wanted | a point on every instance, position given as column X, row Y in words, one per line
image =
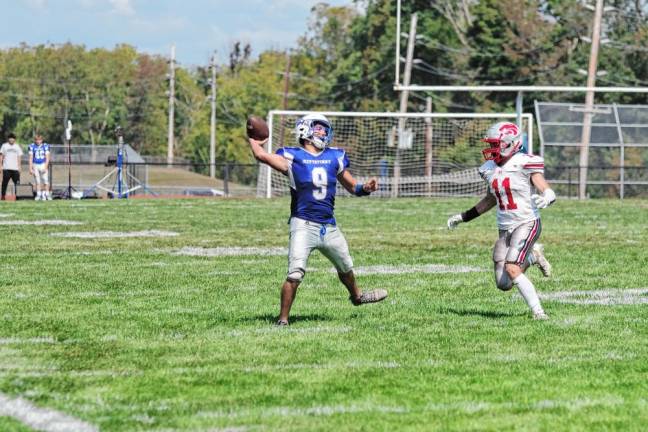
column 313, row 170
column 39, row 159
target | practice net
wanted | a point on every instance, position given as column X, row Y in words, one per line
column 411, row 154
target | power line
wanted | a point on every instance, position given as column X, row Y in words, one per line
column 488, row 54
column 626, row 47
column 342, row 84
column 76, row 81
column 71, row 116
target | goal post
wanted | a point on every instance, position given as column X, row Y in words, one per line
column 411, row 154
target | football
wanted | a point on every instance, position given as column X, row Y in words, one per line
column 257, row 128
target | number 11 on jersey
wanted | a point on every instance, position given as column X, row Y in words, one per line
column 506, row 184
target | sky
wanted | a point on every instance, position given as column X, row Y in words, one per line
column 196, row 27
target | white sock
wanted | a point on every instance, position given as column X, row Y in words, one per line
column 527, row 290
column 531, row 258
column 39, row 194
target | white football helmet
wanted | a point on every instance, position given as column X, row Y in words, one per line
column 505, row 140
column 315, row 128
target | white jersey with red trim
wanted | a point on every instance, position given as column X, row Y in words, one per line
column 511, row 185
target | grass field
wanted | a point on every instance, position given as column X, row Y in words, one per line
column 127, row 334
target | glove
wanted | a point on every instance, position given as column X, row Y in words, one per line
column 544, row 200
column 453, row 221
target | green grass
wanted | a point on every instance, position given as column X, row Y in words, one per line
column 127, row 336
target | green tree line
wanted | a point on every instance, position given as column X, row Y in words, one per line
column 345, row 61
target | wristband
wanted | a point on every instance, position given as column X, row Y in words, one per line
column 359, row 191
column 469, row 215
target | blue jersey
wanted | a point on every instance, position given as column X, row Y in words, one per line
column 313, row 179
column 38, row 152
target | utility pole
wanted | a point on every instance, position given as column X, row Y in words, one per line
column 589, row 102
column 403, row 102
column 212, row 134
column 170, row 137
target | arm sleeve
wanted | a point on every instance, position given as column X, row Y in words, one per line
column 343, row 162
column 484, row 170
column 286, row 154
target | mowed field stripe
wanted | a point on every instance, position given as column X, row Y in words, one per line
column 41, row 419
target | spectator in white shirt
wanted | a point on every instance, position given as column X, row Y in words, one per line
column 10, row 154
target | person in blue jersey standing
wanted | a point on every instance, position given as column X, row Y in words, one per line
column 39, row 159
column 313, row 169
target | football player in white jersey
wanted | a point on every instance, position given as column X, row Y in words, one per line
column 511, row 175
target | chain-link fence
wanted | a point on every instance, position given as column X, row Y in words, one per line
column 90, row 180
column 92, row 172
column 618, row 149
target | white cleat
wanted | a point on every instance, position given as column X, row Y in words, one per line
column 540, row 316
column 37, row 198
column 541, row 261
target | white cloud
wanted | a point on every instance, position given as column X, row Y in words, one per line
column 262, row 38
column 87, row 3
column 162, row 24
column 36, row 4
column 122, row 7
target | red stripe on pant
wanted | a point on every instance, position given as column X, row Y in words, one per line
column 525, row 250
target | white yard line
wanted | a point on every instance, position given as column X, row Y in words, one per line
column 230, row 251
column 34, row 340
column 41, row 419
column 116, row 234
column 40, row 222
column 423, row 268
column 49, row 373
column 606, row 297
column 469, row 407
column 288, row 411
column 293, row 330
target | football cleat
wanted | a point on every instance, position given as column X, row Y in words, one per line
column 541, row 261
column 369, row 297
column 282, row 323
column 540, row 316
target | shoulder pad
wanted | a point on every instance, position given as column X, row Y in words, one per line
column 533, row 162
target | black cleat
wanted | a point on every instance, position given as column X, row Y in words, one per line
column 370, row 297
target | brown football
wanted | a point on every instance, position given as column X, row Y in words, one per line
column 257, row 128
